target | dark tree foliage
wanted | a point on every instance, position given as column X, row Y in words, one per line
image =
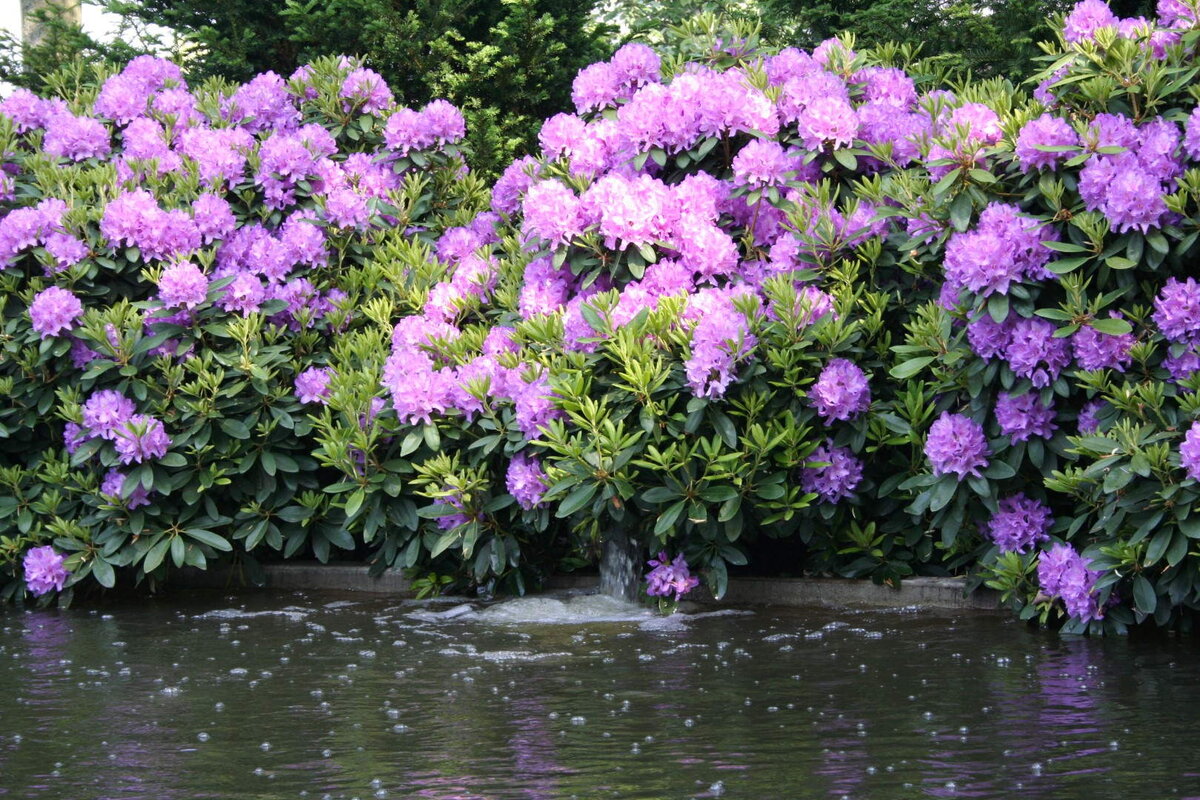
column 508, row 65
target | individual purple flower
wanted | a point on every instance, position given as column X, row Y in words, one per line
column 444, row 122
column 76, row 138
column 1096, row 350
column 1089, row 417
column 112, row 487
column 54, row 310
column 1086, row 18
column 841, row 391
column 762, row 162
column 1177, row 310
column 244, row 293
column 552, row 213
column 526, row 481
column 1023, row 416
column 595, row 87
column 262, row 104
column 836, row 481
column 1046, row 131
column 139, row 438
column 1064, row 573
column 1189, row 451
column 182, row 285
column 1034, row 353
column 346, row 208
column 367, row 87
column 1134, row 199
column 989, row 338
column 1175, row 14
column 1183, row 366
column 635, row 65
column 1191, row 135
column 105, row 412
column 956, row 446
column 44, row 570
column 828, row 121
column 669, row 577
column 720, row 339
column 535, row 407
column 1020, row 524
column 213, row 217
column 312, row 385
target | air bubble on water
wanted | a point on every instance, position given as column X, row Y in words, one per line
column 717, row 789
column 578, row 720
column 400, row 728
column 202, row 736
column 265, row 746
column 689, row 723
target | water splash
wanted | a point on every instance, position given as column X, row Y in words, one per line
column 620, row 565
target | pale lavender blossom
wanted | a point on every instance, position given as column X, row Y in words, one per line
column 44, row 570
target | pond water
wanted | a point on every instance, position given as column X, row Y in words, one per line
column 335, row 696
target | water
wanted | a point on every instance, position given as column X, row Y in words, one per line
column 315, row 696
column 620, row 560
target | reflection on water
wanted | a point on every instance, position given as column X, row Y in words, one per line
column 316, row 696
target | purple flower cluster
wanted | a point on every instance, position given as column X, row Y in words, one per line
column 1004, row 248
column 720, row 339
column 439, row 123
column 1065, row 574
column 669, row 577
column 1020, row 524
column 836, row 481
column 1189, row 452
column 54, row 310
column 44, row 570
column 1044, row 142
column 1177, row 311
column 182, row 285
column 1096, row 350
column 112, row 487
column 1023, row 416
column 956, row 446
column 526, row 481
column 141, row 437
column 1128, row 187
column 841, row 391
column 312, row 385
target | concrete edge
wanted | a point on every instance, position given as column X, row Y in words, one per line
column 934, row 593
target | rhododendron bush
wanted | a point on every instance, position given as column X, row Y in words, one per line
column 912, row 328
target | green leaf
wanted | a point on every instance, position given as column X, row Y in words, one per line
column 1144, row 597
column 724, row 426
column 104, row 573
column 911, row 367
column 666, row 520
column 659, row 494
column 173, row 460
column 942, row 492
column 998, row 307
column 846, row 159
column 213, row 540
column 235, row 428
column 577, row 499
column 1113, row 326
column 355, row 502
